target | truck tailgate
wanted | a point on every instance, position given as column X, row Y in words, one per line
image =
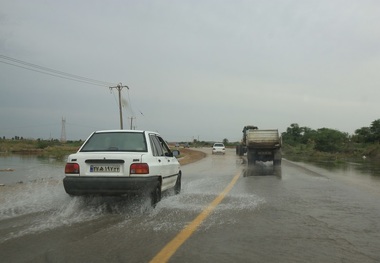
column 263, row 139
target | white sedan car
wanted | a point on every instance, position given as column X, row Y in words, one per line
column 218, row 147
column 118, row 162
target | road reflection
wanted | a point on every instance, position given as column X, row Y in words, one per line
column 262, row 169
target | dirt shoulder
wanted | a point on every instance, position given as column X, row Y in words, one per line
column 190, row 156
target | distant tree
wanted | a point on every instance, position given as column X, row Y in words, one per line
column 295, row 131
column 329, row 140
column 225, row 141
column 362, row 135
column 293, row 134
column 375, row 130
column 296, row 134
column 368, row 134
column 308, row 135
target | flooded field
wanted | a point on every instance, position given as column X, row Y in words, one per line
column 28, row 168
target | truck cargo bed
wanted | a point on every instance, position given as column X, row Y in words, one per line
column 263, row 139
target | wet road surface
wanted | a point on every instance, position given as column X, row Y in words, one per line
column 296, row 213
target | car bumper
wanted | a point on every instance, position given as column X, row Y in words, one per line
column 216, row 152
column 80, row 185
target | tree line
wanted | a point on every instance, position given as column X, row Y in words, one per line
column 331, row 140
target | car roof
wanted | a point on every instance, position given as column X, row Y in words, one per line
column 136, row 131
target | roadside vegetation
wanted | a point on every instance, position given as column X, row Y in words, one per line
column 45, row 148
column 59, row 150
column 303, row 143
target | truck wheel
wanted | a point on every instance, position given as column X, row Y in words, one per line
column 156, row 194
column 251, row 158
column 277, row 158
column 241, row 150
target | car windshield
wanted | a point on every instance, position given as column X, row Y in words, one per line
column 116, row 142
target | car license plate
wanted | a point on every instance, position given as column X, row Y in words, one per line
column 104, row 168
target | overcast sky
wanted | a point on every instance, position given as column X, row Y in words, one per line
column 195, row 69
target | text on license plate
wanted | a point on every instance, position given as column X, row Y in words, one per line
column 104, row 168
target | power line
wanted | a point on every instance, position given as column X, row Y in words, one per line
column 64, row 75
column 52, row 72
column 46, row 73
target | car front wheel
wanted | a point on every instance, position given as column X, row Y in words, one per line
column 177, row 187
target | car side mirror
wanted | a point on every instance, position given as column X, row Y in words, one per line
column 175, row 153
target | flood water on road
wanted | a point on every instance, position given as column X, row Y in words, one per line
column 32, row 185
column 360, row 167
column 289, row 213
column 27, row 168
column 363, row 173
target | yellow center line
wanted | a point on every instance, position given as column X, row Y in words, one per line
column 168, row 251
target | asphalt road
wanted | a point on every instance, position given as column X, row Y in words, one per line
column 225, row 213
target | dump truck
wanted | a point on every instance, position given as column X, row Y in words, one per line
column 260, row 145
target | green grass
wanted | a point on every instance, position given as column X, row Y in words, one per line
column 54, row 149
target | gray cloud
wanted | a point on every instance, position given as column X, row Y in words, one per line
column 194, row 68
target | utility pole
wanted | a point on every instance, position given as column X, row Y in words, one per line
column 119, row 87
column 63, row 131
column 132, row 122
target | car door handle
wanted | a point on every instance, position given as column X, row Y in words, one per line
column 159, row 160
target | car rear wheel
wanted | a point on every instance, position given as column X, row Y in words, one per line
column 156, row 194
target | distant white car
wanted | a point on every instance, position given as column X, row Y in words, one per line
column 218, row 148
column 118, row 162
